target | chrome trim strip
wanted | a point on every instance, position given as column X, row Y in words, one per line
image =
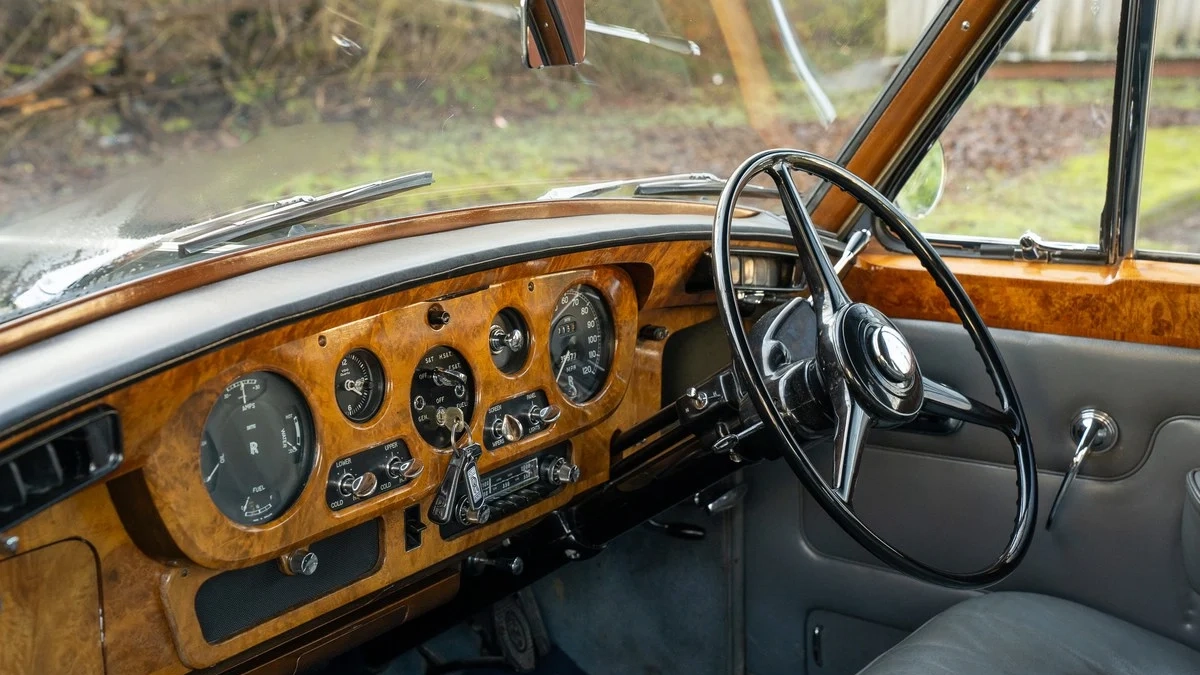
column 1135, row 57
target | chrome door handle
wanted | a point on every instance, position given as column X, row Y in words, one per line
column 1095, row 432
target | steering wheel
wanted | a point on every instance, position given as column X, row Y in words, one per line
column 863, row 374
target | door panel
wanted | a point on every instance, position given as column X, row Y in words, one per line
column 949, row 500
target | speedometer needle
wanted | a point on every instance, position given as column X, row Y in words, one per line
column 560, row 368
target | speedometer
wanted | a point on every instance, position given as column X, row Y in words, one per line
column 581, row 343
column 257, row 449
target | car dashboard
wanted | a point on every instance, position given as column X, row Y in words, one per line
column 308, row 478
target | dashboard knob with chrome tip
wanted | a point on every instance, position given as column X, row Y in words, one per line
column 544, row 415
column 511, row 428
column 470, row 516
column 301, row 562
column 365, row 485
column 514, row 565
column 408, row 469
column 498, row 339
column 561, row 472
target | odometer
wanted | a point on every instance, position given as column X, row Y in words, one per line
column 581, row 343
column 257, row 449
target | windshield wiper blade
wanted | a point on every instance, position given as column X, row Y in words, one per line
column 293, row 211
column 679, row 184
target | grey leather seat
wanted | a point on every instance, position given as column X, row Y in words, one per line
column 1029, row 634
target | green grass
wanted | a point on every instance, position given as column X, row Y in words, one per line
column 1064, row 202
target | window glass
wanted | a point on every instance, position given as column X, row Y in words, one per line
column 1028, row 150
column 1169, row 216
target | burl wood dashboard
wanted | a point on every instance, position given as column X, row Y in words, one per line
column 127, row 559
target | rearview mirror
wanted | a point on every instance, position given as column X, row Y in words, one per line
column 923, row 190
column 554, row 32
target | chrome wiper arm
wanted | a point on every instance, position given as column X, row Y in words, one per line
column 709, row 186
column 293, row 211
column 661, row 186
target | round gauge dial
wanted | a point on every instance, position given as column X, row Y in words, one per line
column 441, row 382
column 257, row 450
column 581, row 343
column 358, row 385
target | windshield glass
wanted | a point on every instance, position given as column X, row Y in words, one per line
column 123, row 121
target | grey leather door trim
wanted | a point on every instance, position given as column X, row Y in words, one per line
column 1115, row 547
column 1056, row 376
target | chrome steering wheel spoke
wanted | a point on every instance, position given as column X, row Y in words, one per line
column 826, row 288
column 866, row 372
column 850, row 431
column 946, row 401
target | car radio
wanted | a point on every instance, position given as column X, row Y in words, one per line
column 517, row 485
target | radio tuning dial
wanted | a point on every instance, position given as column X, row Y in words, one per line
column 560, row 472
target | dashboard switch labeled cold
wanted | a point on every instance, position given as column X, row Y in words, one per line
column 370, row 473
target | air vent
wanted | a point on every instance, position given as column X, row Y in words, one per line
column 57, row 463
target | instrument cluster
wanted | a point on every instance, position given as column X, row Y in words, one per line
column 258, row 445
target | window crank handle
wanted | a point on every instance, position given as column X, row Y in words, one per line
column 1095, row 432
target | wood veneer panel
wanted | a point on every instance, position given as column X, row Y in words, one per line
column 50, row 612
column 150, row 624
column 1141, row 301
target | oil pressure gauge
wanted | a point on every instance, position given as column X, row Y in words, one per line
column 358, row 385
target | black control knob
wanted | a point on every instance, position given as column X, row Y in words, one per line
column 437, row 317
column 560, row 472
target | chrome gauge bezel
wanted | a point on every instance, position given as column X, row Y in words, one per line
column 255, row 446
column 372, row 385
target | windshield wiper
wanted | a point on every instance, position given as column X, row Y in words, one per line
column 679, row 184
column 292, row 211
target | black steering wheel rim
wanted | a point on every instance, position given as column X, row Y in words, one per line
column 1010, row 421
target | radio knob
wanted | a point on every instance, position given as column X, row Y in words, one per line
column 512, row 429
column 561, row 472
column 468, row 516
column 544, row 415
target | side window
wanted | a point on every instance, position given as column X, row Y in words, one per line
column 1028, row 150
column 1169, row 215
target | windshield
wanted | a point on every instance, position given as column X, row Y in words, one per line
column 123, row 121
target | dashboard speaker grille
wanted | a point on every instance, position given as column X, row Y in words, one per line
column 234, row 601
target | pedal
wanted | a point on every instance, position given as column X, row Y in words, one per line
column 514, row 635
